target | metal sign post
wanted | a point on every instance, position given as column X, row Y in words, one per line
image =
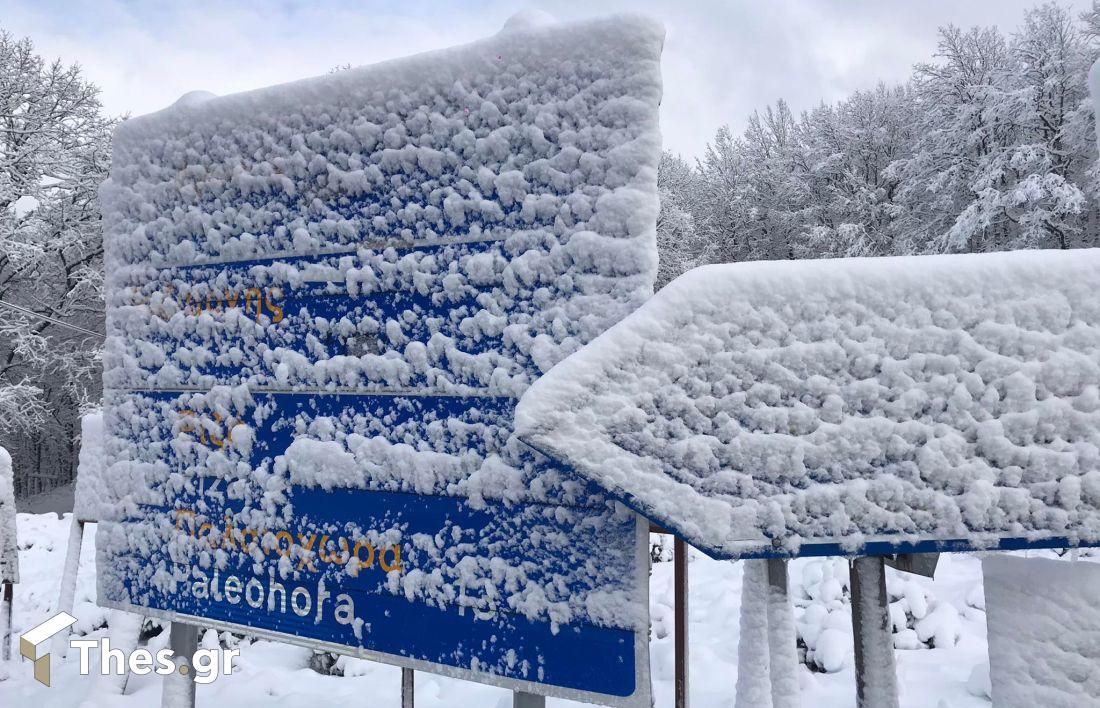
column 782, row 643
column 876, row 679
column 6, row 609
column 527, row 700
column 680, row 585
column 67, row 592
column 407, row 688
column 179, row 686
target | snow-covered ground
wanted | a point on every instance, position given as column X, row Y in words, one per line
column 270, row 674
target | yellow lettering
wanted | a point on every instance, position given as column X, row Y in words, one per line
column 276, row 311
column 396, row 564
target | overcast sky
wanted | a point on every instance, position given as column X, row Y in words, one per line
column 723, row 58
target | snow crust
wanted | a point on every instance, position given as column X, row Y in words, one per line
column 345, row 283
column 899, row 399
column 9, row 542
column 1043, row 625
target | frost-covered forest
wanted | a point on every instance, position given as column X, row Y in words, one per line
column 54, row 152
column 988, row 146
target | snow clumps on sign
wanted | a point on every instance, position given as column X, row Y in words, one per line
column 756, row 405
column 438, row 230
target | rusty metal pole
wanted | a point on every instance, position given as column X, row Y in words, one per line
column 680, row 581
column 407, row 697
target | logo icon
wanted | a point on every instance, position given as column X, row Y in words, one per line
column 31, row 641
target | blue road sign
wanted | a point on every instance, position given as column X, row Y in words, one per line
column 324, row 300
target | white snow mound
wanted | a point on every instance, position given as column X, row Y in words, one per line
column 1043, row 623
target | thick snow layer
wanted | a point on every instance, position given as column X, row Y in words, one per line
column 1044, row 626
column 91, row 499
column 902, row 399
column 473, row 215
column 270, row 674
column 341, row 286
column 9, row 558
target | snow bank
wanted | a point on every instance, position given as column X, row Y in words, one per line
column 91, row 501
column 9, row 542
column 1043, row 628
column 771, row 404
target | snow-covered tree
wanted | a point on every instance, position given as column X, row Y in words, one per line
column 54, row 152
column 681, row 240
column 989, row 146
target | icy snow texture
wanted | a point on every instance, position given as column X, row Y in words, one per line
column 767, row 663
column 783, row 653
column 435, row 231
column 90, row 498
column 897, row 399
column 9, row 542
column 1043, row 628
column 754, row 686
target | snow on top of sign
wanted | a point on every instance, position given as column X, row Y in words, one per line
column 531, row 154
column 452, row 224
column 9, row 545
column 91, row 499
column 916, row 398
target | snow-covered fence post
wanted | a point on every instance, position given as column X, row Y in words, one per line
column 680, row 602
column 9, row 549
column 67, row 592
column 782, row 649
column 407, row 685
column 89, row 501
column 876, row 680
column 179, row 686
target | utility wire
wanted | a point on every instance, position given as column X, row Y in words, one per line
column 51, row 320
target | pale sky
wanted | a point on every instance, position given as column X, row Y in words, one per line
column 722, row 59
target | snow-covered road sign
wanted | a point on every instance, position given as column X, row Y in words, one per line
column 324, row 300
column 865, row 406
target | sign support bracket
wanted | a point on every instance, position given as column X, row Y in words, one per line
column 527, row 700
column 680, row 610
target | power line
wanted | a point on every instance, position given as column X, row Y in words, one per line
column 51, row 320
